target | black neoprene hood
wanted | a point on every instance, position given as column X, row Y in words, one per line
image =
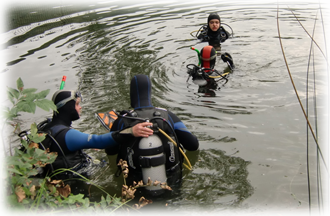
column 140, row 92
column 213, row 16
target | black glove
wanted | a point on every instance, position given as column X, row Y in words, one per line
column 226, row 57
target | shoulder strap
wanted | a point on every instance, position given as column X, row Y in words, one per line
column 52, row 133
column 55, row 130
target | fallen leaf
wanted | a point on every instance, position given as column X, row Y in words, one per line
column 20, row 194
column 33, row 145
column 64, row 191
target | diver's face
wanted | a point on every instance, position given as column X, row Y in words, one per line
column 77, row 106
column 214, row 24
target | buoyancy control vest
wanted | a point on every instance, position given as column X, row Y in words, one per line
column 206, row 35
column 140, row 156
column 70, row 160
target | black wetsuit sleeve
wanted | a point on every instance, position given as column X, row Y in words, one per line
column 185, row 137
column 119, row 138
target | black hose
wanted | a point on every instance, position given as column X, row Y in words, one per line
column 232, row 32
column 58, row 145
column 199, row 30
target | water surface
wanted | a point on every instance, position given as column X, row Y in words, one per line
column 252, row 132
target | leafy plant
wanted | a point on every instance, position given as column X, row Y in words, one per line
column 45, row 194
column 40, row 194
column 23, row 100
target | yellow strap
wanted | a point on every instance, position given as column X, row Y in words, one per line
column 187, row 166
column 224, row 74
column 193, row 32
column 184, row 155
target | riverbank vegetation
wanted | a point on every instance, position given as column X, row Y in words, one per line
column 24, row 189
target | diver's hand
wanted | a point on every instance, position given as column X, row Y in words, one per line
column 141, row 130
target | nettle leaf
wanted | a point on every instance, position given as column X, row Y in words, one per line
column 11, row 97
column 86, row 202
column 7, row 115
column 14, row 179
column 26, row 202
column 27, row 191
column 24, row 143
column 38, row 138
column 46, row 104
column 34, row 128
column 27, row 166
column 117, row 201
column 42, row 94
column 14, row 171
column 108, row 199
column 28, row 97
column 78, row 198
column 12, row 200
column 51, row 157
column 32, row 172
column 34, row 136
column 20, row 84
column 103, row 202
column 27, row 156
column 26, row 106
column 32, row 160
column 28, row 91
column 12, row 159
column 13, row 92
column 40, row 154
column 29, row 151
column 14, row 111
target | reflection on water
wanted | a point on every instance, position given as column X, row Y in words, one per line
column 110, row 79
column 218, row 181
column 251, row 130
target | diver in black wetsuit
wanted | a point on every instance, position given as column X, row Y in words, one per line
column 68, row 142
column 205, row 76
column 140, row 93
column 213, row 33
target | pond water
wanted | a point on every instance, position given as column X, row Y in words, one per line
column 252, row 132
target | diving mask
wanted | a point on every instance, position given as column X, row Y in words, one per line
column 74, row 96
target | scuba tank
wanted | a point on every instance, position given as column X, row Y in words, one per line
column 151, row 157
column 152, row 162
column 208, row 56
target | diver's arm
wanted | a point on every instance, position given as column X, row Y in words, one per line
column 142, row 130
column 138, row 130
column 127, row 135
column 76, row 140
column 185, row 137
